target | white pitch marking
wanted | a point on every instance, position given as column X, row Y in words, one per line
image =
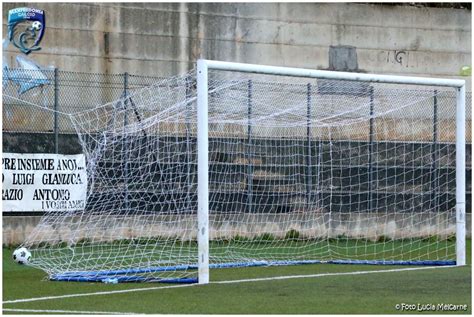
column 327, row 274
column 95, row 293
column 65, row 311
column 222, row 282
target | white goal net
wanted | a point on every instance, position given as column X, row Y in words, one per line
column 301, row 170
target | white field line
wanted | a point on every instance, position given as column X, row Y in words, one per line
column 328, row 274
column 65, row 311
column 222, row 282
column 25, row 300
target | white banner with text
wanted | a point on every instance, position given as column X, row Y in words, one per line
column 43, row 182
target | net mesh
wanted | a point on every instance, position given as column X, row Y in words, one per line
column 300, row 171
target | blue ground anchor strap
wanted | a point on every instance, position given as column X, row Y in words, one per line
column 393, row 262
column 128, row 275
column 145, row 270
column 121, row 279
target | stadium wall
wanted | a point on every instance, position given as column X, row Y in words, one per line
column 162, row 39
column 353, row 226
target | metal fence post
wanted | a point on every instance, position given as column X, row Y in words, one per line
column 55, row 114
column 249, row 148
column 434, row 167
column 125, row 145
column 188, row 97
column 371, row 187
column 125, row 84
column 309, row 175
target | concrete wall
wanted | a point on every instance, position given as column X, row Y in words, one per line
column 163, row 39
column 321, row 225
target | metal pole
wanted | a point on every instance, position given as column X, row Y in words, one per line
column 309, row 176
column 371, row 149
column 56, row 108
column 203, row 172
column 319, row 173
column 461, row 176
column 188, row 146
column 125, row 87
column 324, row 74
column 434, row 175
column 125, row 145
column 249, row 148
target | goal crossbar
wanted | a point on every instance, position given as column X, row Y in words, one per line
column 324, row 74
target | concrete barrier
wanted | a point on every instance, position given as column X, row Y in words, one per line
column 163, row 39
column 372, row 226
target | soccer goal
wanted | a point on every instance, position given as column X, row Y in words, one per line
column 237, row 165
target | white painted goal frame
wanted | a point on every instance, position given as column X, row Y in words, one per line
column 203, row 67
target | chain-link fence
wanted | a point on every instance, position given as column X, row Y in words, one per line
column 35, row 129
column 67, row 92
column 29, row 125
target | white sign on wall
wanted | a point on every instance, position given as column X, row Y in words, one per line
column 43, row 182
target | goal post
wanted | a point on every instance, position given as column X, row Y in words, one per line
column 204, row 66
column 203, row 172
column 461, row 174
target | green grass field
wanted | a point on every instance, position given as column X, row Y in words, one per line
column 373, row 293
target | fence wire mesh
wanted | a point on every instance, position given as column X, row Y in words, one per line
column 64, row 91
column 29, row 129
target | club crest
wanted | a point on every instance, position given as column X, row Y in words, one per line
column 26, row 28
